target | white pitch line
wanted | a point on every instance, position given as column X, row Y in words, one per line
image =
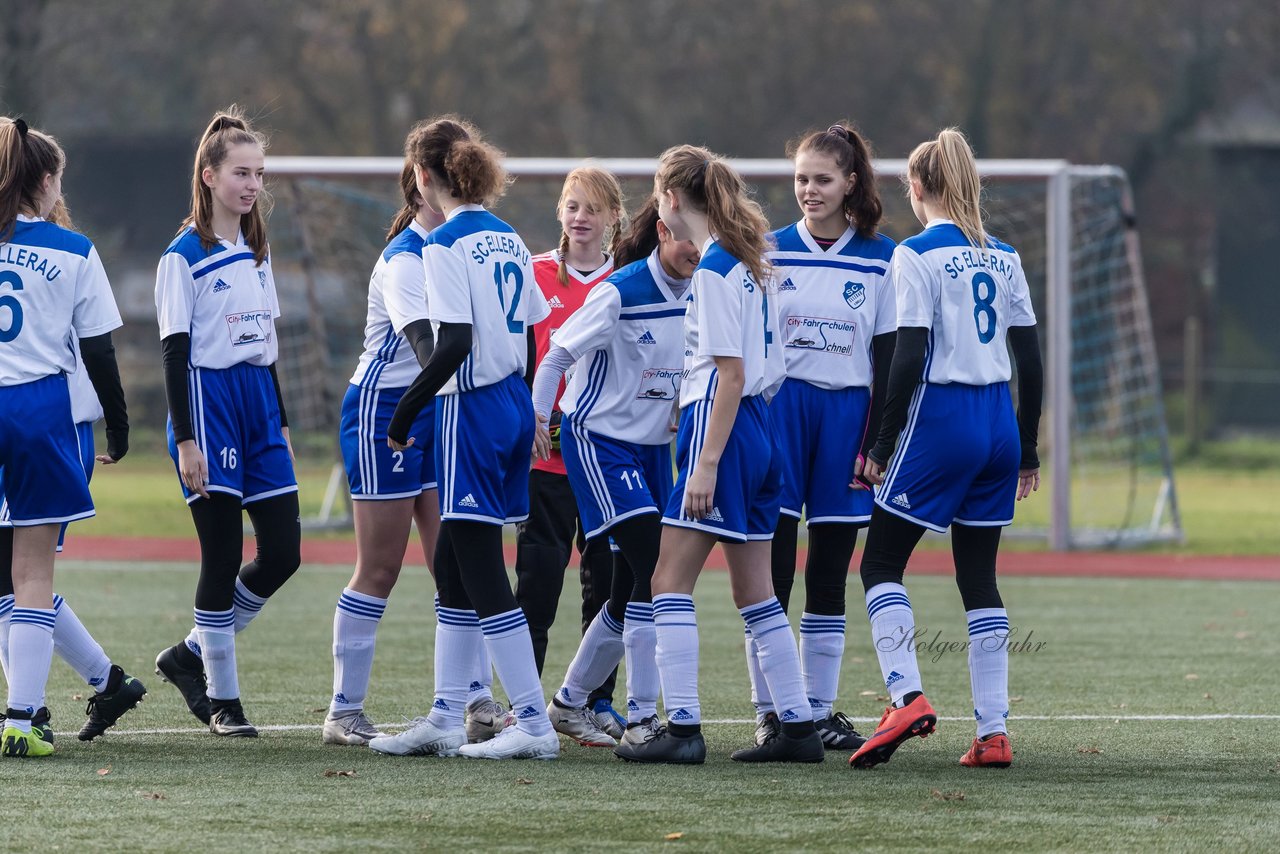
column 744, row 721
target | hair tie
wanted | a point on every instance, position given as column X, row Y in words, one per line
column 840, row 131
column 22, row 127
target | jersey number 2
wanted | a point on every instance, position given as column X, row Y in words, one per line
column 10, row 302
column 510, row 272
column 982, row 307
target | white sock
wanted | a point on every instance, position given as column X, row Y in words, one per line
column 481, row 687
column 6, row 608
column 779, row 658
column 215, row 635
column 31, row 653
column 246, row 604
column 821, row 650
column 893, row 629
column 989, row 668
column 458, row 645
column 355, row 630
column 74, row 645
column 599, row 652
column 511, row 648
column 759, row 687
column 638, row 641
column 676, row 652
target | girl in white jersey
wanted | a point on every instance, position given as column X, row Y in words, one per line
column 482, row 298
column 390, row 490
column 53, row 289
column 836, row 317
column 228, row 435
column 626, row 348
column 950, row 451
column 729, row 481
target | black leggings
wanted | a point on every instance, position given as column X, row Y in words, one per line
column 637, row 539
column 483, row 587
column 826, row 569
column 891, row 539
column 6, row 561
column 219, row 526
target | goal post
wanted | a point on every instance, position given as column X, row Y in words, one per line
column 1105, row 450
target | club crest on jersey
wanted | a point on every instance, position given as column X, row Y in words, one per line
column 262, row 278
column 854, row 294
column 220, row 286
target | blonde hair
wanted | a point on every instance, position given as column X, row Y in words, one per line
column 26, row 156
column 948, row 173
column 604, row 192
column 453, row 149
column 714, row 189
column 227, row 129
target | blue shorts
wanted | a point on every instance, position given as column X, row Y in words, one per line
column 84, row 432
column 613, row 480
column 237, row 425
column 748, row 482
column 40, row 454
column 820, row 432
column 957, row 459
column 484, row 442
column 374, row 471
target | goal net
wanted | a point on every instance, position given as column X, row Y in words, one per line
column 1108, row 478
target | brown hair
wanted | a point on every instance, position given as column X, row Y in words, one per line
column 61, row 215
column 604, row 192
column 228, row 128
column 948, row 173
column 26, row 156
column 714, row 189
column 453, row 149
column 412, row 199
column 641, row 236
column 852, row 155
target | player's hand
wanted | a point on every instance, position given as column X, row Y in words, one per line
column 1028, row 482
column 193, row 468
column 700, row 491
column 398, row 446
column 859, row 465
column 288, row 443
column 541, row 438
column 872, row 472
column 117, row 447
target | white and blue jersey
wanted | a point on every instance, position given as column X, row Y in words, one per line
column 831, row 303
column 958, row 456
column 227, row 303
column 628, row 342
column 730, row 314
column 479, row 273
column 53, row 288
column 387, row 366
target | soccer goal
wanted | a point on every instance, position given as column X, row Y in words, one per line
column 1105, row 452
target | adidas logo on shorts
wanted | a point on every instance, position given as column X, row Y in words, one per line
column 646, row 338
column 554, row 302
column 714, row 515
column 894, row 676
column 681, row 715
column 469, row 501
column 901, row 500
column 220, row 286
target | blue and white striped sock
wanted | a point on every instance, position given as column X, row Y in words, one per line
column 893, row 629
column 246, row 604
column 821, row 651
column 779, row 658
column 481, row 682
column 511, row 648
column 74, row 645
column 599, row 652
column 6, row 608
column 675, row 626
column 355, row 630
column 458, row 645
column 989, row 668
column 639, row 640
column 216, row 637
column 760, row 697
column 31, row 652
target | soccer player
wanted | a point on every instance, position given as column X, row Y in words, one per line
column 950, row 451
column 626, row 349
column 482, row 298
column 590, row 213
column 228, row 433
column 390, row 490
column 729, row 481
column 54, row 290
column 836, row 315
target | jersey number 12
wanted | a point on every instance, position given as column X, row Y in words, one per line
column 510, row 272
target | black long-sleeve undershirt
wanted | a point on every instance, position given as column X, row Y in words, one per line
column 881, row 358
column 905, row 371
column 1024, row 343
column 99, row 357
column 453, row 343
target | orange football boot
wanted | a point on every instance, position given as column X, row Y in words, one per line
column 993, row 751
column 896, row 726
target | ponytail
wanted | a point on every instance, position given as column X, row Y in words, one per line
column 453, row 150
column 640, row 237
column 412, row 200
column 604, row 192
column 227, row 129
column 948, row 173
column 852, row 155
column 26, row 157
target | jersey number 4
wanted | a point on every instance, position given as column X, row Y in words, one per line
column 982, row 307
column 502, row 274
column 9, row 301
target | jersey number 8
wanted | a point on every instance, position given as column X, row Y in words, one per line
column 982, row 306
column 10, row 302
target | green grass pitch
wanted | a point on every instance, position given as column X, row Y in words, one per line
column 1114, row 744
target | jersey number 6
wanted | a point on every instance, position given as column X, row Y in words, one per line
column 10, row 302
column 503, row 273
